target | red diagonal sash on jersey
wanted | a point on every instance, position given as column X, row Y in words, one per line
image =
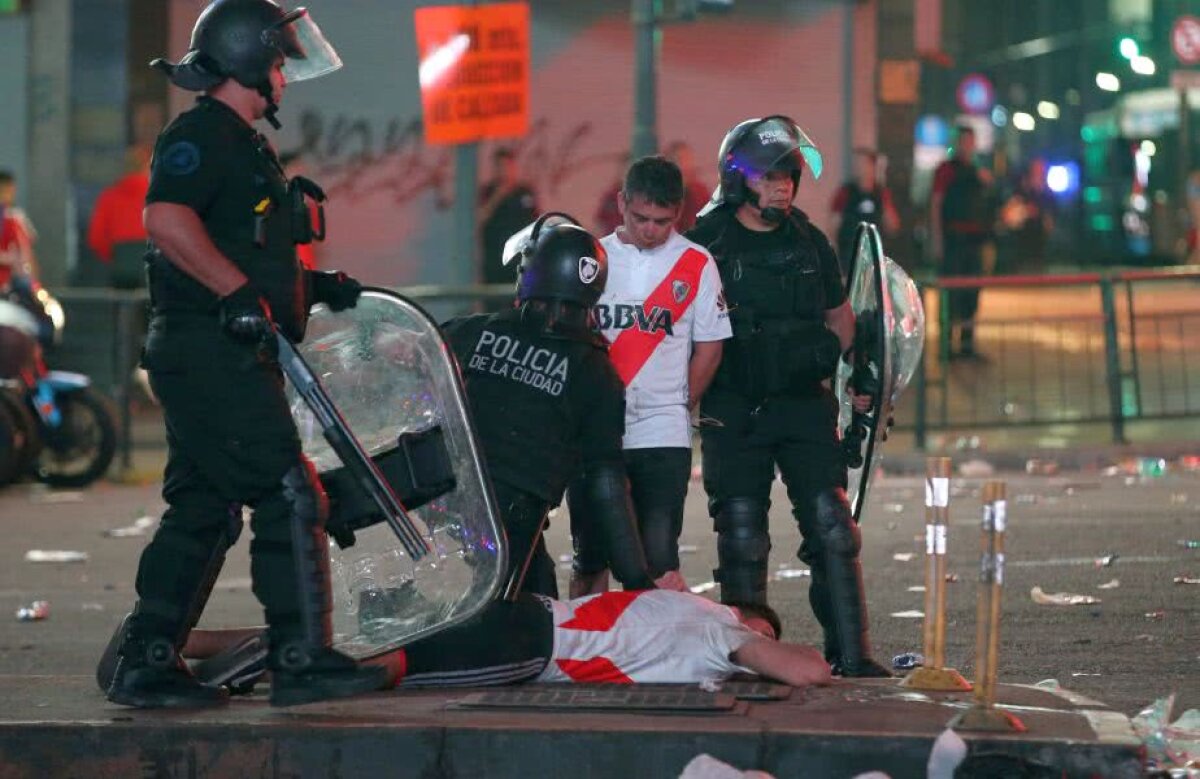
column 633, row 347
column 602, row 612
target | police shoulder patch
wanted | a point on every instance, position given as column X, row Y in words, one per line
column 181, row 158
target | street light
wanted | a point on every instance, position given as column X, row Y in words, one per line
column 1128, row 48
column 1108, row 82
column 1023, row 121
column 1143, row 66
column 1047, row 110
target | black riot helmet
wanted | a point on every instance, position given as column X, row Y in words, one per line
column 560, row 261
column 242, row 39
column 756, row 147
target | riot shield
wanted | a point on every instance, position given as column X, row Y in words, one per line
column 889, row 339
column 385, row 367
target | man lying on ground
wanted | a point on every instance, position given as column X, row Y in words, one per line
column 616, row 637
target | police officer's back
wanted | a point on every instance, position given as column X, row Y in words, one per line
column 770, row 405
column 547, row 402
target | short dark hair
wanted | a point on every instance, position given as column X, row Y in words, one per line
column 6, row 177
column 762, row 611
column 503, row 153
column 965, row 129
column 656, row 179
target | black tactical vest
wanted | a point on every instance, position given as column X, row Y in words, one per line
column 776, row 303
column 249, row 221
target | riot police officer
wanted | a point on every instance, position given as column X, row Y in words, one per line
column 223, row 276
column 770, row 404
column 547, row 404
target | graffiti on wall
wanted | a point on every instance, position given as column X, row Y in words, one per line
column 356, row 159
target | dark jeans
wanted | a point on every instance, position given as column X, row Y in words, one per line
column 658, row 481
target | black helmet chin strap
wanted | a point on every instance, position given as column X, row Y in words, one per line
column 264, row 89
column 770, row 214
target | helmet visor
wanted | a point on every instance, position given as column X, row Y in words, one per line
column 308, row 54
column 521, row 240
column 776, row 143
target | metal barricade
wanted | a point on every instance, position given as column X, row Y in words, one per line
column 1088, row 347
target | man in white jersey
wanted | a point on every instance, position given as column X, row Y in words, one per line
column 664, row 316
column 629, row 637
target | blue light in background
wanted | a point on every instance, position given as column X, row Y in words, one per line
column 1062, row 178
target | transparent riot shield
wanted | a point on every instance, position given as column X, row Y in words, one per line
column 888, row 342
column 396, row 385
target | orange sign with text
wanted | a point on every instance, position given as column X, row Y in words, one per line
column 474, row 71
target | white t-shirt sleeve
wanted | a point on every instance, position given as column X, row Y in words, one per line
column 723, row 638
column 711, row 320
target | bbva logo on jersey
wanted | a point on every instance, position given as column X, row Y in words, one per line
column 624, row 316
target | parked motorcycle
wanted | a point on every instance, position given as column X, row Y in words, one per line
column 55, row 426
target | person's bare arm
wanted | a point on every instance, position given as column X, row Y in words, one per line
column 178, row 232
column 794, row 664
column 706, row 357
column 841, row 321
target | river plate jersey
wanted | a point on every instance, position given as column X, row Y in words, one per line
column 656, row 303
column 643, row 636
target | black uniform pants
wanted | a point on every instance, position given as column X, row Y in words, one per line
column 506, row 643
column 742, row 445
column 524, row 517
column 658, row 483
column 231, row 439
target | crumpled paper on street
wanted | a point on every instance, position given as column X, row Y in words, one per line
column 139, row 527
column 1061, row 598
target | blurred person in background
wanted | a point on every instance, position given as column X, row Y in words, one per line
column 17, row 235
column 695, row 193
column 506, row 204
column 116, row 233
column 961, row 221
column 862, row 199
column 1027, row 217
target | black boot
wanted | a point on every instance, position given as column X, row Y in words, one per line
column 149, row 674
column 302, row 673
column 304, row 666
column 846, row 632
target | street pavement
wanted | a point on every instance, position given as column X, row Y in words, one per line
column 1141, row 642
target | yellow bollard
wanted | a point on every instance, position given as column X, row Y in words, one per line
column 933, row 675
column 984, row 715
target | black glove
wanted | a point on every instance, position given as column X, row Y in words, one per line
column 335, row 289
column 246, row 316
column 826, row 351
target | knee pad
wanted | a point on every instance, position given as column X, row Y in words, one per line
column 835, row 525
column 741, row 525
